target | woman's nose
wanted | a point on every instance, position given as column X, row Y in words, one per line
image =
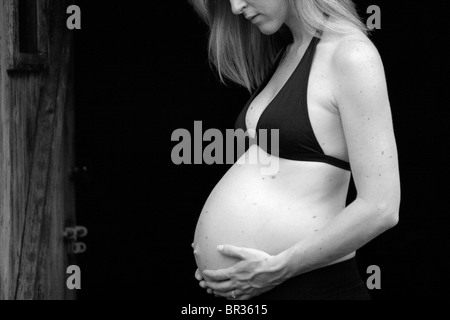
column 237, row 6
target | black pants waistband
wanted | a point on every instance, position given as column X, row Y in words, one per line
column 340, row 281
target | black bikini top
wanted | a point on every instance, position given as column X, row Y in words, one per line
column 288, row 112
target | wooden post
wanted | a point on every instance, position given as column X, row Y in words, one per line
column 36, row 196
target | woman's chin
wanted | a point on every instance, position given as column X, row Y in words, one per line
column 268, row 29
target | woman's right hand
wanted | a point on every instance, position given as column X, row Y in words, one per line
column 202, row 283
column 199, row 277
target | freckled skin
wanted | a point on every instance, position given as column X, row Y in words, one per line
column 306, row 179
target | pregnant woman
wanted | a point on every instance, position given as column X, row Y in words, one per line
column 320, row 81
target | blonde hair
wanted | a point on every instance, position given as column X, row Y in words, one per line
column 244, row 55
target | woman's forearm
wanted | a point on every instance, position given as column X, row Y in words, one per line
column 351, row 229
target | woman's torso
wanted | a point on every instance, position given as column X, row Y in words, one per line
column 273, row 212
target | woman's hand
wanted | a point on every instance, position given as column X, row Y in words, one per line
column 256, row 272
column 199, row 277
column 202, row 283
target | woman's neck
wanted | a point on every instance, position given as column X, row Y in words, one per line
column 299, row 32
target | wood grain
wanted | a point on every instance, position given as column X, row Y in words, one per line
column 36, row 156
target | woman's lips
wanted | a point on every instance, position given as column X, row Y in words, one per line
column 253, row 17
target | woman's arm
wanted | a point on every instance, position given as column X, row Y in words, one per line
column 361, row 96
column 362, row 99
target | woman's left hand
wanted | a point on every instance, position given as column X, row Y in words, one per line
column 256, row 272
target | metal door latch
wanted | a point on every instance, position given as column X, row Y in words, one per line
column 72, row 234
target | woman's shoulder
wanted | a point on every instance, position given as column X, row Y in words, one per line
column 355, row 66
column 351, row 49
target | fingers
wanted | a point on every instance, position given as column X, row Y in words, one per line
column 232, row 251
column 229, row 295
column 211, row 287
column 220, row 286
column 217, row 275
column 203, row 285
column 198, row 275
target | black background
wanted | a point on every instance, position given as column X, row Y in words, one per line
column 142, row 72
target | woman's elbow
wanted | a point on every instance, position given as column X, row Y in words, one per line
column 390, row 214
column 392, row 219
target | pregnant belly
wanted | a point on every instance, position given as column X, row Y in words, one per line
column 251, row 210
